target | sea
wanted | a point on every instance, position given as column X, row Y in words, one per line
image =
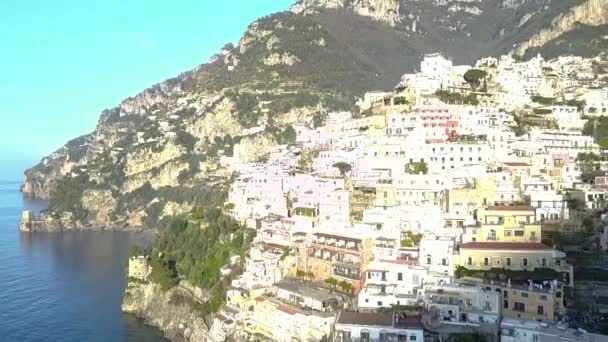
column 62, row 286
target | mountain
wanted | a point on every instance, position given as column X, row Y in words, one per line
column 157, row 153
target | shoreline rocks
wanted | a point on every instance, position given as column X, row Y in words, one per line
column 31, row 223
column 177, row 320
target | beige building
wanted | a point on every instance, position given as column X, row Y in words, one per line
column 139, row 267
column 543, row 300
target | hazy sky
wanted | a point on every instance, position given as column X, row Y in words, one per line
column 63, row 61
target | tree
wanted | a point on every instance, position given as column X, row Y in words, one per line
column 346, row 286
column 332, row 282
column 343, row 167
column 474, row 77
column 134, row 250
column 417, row 168
column 310, row 276
column 603, row 142
column 288, row 136
column 300, row 274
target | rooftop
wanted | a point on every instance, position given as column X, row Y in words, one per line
column 305, row 290
column 505, row 246
column 379, row 319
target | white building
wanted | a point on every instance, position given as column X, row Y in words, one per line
column 389, row 284
column 462, row 304
column 360, row 326
column 512, row 330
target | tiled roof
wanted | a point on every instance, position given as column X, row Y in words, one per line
column 505, row 245
column 287, row 310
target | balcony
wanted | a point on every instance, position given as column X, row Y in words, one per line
column 347, row 272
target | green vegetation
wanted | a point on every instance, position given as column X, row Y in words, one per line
column 410, row 239
column 597, row 128
column 288, row 136
column 247, row 106
column 67, row 193
column 474, row 77
column 542, row 111
column 545, row 101
column 457, row 98
column 200, row 250
column 163, row 273
column 196, row 251
column 468, row 138
column 343, row 167
column 561, row 239
column 538, row 274
column 186, row 139
column 319, row 119
column 416, row 168
column 343, row 285
column 305, row 161
column 305, row 275
column 590, row 165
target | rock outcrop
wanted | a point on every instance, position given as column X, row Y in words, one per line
column 386, row 11
column 165, row 310
column 590, row 12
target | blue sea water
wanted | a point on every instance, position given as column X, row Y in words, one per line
column 62, row 286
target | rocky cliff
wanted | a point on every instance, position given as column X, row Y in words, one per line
column 157, row 153
column 166, row 310
column 590, row 12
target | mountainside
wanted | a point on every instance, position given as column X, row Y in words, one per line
column 157, row 153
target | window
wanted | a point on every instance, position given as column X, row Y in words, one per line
column 399, row 276
column 541, row 310
column 379, row 303
column 486, row 261
column 519, row 233
column 508, row 261
column 521, row 307
column 524, row 262
column 543, row 297
column 524, row 294
column 412, row 337
column 369, row 275
column 508, row 232
column 469, row 261
column 543, row 262
column 444, row 262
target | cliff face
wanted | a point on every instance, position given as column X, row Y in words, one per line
column 161, row 309
column 382, row 10
column 158, row 153
column 590, row 12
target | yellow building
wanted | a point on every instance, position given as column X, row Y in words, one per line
column 279, row 321
column 467, row 199
column 139, row 267
column 507, row 224
column 336, row 256
column 514, row 256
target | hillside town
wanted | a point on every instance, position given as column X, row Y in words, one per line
column 466, row 204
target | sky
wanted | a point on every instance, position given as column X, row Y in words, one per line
column 63, row 61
